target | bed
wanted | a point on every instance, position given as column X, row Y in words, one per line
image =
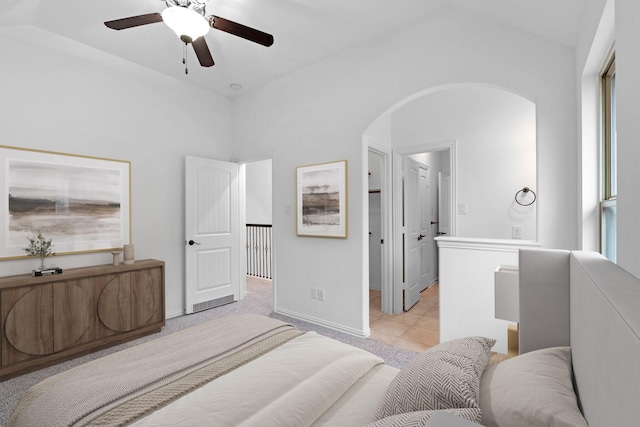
column 250, row 370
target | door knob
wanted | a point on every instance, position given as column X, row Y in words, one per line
column 192, row 242
column 420, row 237
column 440, row 233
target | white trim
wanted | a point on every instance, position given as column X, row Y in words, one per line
column 334, row 326
column 364, row 300
column 386, row 225
column 242, row 225
column 475, row 244
column 398, row 232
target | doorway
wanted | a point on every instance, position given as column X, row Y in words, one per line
column 420, row 330
column 433, row 214
column 385, row 261
column 375, row 220
column 378, row 225
column 257, row 210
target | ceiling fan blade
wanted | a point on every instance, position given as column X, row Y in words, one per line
column 134, row 21
column 202, row 52
column 240, row 30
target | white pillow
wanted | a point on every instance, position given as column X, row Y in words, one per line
column 443, row 377
column 533, row 389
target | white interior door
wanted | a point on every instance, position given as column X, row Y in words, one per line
column 211, row 234
column 411, row 178
column 444, row 204
column 424, row 239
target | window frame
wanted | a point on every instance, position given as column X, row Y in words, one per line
column 608, row 198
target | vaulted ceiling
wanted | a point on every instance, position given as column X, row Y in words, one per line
column 305, row 31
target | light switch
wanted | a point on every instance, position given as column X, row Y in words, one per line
column 516, row 231
column 462, row 208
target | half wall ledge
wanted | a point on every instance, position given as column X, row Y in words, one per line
column 467, row 286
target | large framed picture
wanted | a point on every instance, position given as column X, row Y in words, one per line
column 83, row 204
column 322, row 200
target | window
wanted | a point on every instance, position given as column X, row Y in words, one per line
column 609, row 162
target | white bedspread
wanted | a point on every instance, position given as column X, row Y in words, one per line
column 293, row 385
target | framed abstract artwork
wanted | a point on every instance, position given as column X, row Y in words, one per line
column 322, row 200
column 81, row 203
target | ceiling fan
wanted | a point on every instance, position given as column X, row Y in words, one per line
column 187, row 19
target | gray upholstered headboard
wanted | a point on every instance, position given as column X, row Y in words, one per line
column 603, row 327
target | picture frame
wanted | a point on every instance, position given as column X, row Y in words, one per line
column 81, row 203
column 321, row 200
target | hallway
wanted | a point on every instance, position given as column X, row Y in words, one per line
column 416, row 329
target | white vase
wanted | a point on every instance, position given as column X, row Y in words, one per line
column 128, row 254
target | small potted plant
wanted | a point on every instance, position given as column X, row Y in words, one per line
column 39, row 246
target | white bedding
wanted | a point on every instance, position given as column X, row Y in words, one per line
column 304, row 382
column 358, row 405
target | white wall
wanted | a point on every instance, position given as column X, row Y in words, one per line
column 259, row 193
column 627, row 15
column 320, row 113
column 62, row 96
column 467, row 297
column 607, row 22
column 495, row 132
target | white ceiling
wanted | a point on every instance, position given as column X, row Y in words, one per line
column 305, row 31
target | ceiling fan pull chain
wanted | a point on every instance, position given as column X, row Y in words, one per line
column 184, row 58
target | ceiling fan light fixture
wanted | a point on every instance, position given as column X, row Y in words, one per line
column 186, row 23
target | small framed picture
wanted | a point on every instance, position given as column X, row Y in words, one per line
column 322, row 200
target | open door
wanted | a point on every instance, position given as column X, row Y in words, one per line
column 412, row 236
column 211, row 234
column 426, row 240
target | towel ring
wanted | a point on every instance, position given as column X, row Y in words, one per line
column 526, row 190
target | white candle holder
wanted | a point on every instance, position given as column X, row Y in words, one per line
column 116, row 257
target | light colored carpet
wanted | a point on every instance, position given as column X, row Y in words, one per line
column 258, row 300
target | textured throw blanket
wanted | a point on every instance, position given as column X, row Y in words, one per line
column 122, row 387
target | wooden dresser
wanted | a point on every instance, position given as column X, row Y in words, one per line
column 45, row 320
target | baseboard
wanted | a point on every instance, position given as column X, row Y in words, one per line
column 324, row 323
column 175, row 314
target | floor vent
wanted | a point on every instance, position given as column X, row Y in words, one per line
column 212, row 303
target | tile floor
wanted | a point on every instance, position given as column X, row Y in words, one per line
column 417, row 329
